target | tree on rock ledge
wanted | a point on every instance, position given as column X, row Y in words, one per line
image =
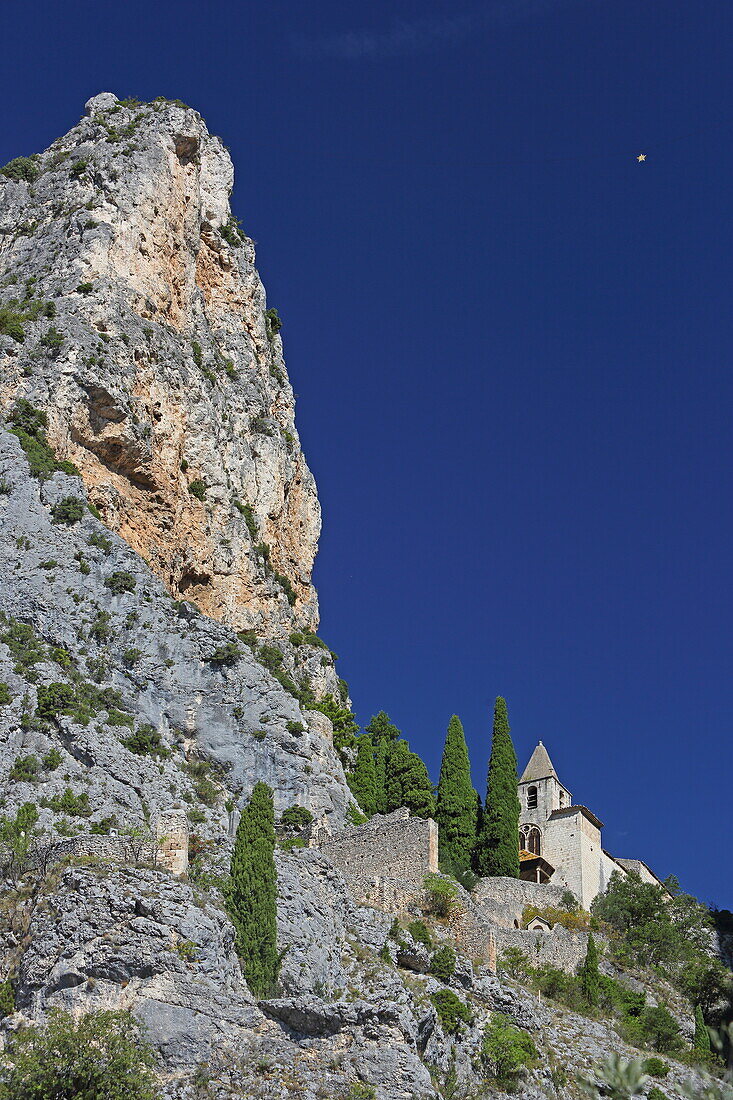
column 408, row 783
column 457, row 802
column 363, row 779
column 590, row 979
column 701, row 1042
column 497, row 851
column 252, row 892
column 384, row 736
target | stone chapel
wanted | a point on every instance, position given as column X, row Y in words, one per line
column 560, row 842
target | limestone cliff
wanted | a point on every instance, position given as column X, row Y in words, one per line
column 143, row 332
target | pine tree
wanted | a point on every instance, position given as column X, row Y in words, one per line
column 497, row 851
column 384, row 735
column 363, row 779
column 701, row 1042
column 252, row 892
column 589, row 974
column 408, row 783
column 456, row 805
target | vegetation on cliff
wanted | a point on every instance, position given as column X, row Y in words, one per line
column 456, row 804
column 252, row 892
column 497, row 850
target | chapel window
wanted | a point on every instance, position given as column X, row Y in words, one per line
column 532, row 798
column 533, row 841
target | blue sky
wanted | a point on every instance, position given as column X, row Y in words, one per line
column 511, row 344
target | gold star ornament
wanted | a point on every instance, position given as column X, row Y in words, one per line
column 641, row 157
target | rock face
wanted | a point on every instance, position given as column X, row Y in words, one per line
column 82, row 611
column 165, row 384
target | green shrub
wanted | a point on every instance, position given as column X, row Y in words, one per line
column 514, row 962
column 420, row 932
column 198, row 356
column 656, row 1093
column 655, row 1027
column 249, row 517
column 69, row 510
column 120, row 718
column 120, row 581
column 287, row 587
column 52, row 760
column 452, row 1012
column 197, row 489
column 55, row 699
column 7, row 999
column 100, row 629
column 260, row 425
column 100, row 541
column 295, row 727
column 25, row 648
column 25, row 769
column 273, row 324
column 11, row 324
column 656, row 1067
column 53, row 340
column 292, row 842
column 506, row 1050
column 131, row 656
column 5, row 695
column 98, row 1056
column 559, row 986
column 79, row 701
column 85, row 288
column 146, row 741
column 443, row 963
column 441, row 895
column 21, row 168
column 296, row 817
column 231, row 232
column 226, row 654
column 360, row 1091
column 269, row 656
column 69, row 803
column 29, row 426
column 79, row 167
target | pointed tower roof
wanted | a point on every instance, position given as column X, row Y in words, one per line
column 539, row 767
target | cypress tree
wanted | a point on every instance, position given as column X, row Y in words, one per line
column 408, row 783
column 384, row 735
column 252, row 892
column 701, row 1042
column 497, row 851
column 363, row 779
column 588, row 973
column 456, row 805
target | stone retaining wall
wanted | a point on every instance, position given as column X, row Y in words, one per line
column 560, row 947
column 502, row 900
column 393, row 846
